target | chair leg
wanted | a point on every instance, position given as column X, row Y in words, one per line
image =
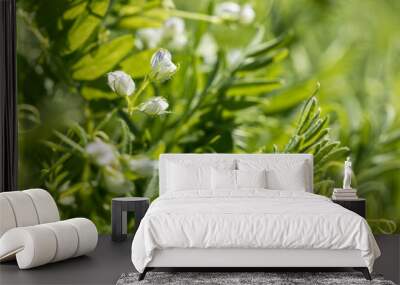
column 364, row 271
column 142, row 275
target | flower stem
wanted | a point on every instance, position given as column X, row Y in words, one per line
column 195, row 16
column 131, row 102
column 128, row 103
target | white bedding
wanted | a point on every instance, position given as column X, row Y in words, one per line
column 250, row 219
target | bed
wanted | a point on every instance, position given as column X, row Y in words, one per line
column 247, row 210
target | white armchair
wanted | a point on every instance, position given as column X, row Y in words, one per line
column 31, row 230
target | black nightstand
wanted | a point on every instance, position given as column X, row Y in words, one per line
column 355, row 205
column 119, row 209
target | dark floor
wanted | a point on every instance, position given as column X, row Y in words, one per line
column 103, row 266
column 111, row 259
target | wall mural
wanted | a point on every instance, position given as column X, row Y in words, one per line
column 106, row 86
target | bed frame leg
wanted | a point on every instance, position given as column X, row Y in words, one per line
column 143, row 274
column 364, row 271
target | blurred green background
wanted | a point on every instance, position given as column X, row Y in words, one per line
column 244, row 85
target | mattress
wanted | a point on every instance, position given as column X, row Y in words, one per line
column 250, row 219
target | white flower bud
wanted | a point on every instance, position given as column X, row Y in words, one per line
column 174, row 34
column 121, row 83
column 173, row 26
column 228, row 11
column 155, row 106
column 102, row 154
column 247, row 14
column 231, row 11
column 162, row 66
column 207, row 49
column 149, row 37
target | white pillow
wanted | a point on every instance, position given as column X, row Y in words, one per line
column 193, row 174
column 251, row 178
column 182, row 177
column 282, row 174
column 223, row 179
column 226, row 179
column 295, row 180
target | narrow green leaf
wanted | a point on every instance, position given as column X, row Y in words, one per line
column 85, row 24
column 55, row 147
column 102, row 135
column 293, row 144
column 60, row 178
column 99, row 7
column 73, row 189
column 80, row 132
column 74, row 9
column 60, row 161
column 139, row 22
column 258, row 37
column 323, row 151
column 69, row 142
column 106, row 119
column 315, row 128
column 306, row 113
column 265, row 47
column 80, row 32
column 309, row 122
column 315, row 140
column 260, row 62
column 253, row 86
column 338, row 153
column 102, row 59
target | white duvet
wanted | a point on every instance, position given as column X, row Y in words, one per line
column 250, row 219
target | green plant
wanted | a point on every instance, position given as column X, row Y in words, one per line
column 360, row 77
column 104, row 145
column 312, row 136
column 236, row 90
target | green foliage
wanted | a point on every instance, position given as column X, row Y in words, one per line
column 84, row 25
column 243, row 97
column 97, row 62
column 359, row 74
column 93, row 38
column 312, row 136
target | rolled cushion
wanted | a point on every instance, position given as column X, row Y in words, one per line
column 32, row 246
column 7, row 218
column 40, row 244
column 23, row 208
column 87, row 235
column 26, row 208
column 45, row 205
column 66, row 239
